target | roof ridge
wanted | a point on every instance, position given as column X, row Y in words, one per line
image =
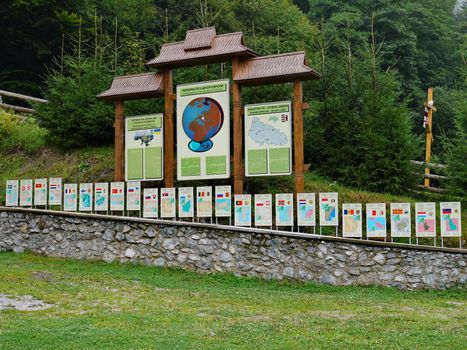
column 227, row 34
column 276, row 55
column 134, row 75
column 199, row 29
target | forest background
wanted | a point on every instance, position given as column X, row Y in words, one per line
column 376, row 58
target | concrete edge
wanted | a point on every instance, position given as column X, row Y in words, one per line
column 235, row 228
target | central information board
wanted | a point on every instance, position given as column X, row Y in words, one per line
column 203, row 130
column 268, row 139
column 144, row 140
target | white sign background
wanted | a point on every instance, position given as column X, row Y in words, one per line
column 376, row 220
column 150, row 202
column 221, row 144
column 168, row 209
column 425, row 219
column 328, row 209
column 284, row 209
column 70, row 198
column 306, row 209
column 40, row 192
column 450, row 218
column 352, row 216
column 204, row 202
column 242, row 210
column 223, row 201
column 12, row 193
column 117, row 196
column 55, row 191
column 400, row 220
column 101, row 196
column 263, row 210
column 269, row 129
column 185, row 202
column 133, row 195
column 85, row 202
column 25, row 193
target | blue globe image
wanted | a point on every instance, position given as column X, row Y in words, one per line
column 202, row 119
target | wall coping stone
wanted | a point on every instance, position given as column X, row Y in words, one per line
column 234, row 228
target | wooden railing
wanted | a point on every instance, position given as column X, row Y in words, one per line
column 436, row 177
column 19, row 97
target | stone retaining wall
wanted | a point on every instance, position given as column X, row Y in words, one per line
column 247, row 252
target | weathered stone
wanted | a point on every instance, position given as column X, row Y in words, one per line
column 130, row 253
column 212, row 249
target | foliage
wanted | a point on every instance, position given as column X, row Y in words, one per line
column 19, row 133
column 73, row 116
column 114, row 306
column 457, row 152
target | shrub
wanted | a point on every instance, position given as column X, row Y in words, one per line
column 19, row 133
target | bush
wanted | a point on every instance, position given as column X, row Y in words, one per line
column 19, row 133
column 74, row 116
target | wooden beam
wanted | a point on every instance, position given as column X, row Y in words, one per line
column 298, row 135
column 119, row 141
column 22, row 97
column 429, row 136
column 17, row 108
column 169, row 168
column 237, row 132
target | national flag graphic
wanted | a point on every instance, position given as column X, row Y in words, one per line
column 239, row 203
column 373, row 213
column 53, row 186
column 302, row 202
column 10, row 187
column 284, row 118
column 345, row 211
column 147, row 197
column 114, row 191
column 447, row 211
column 220, row 195
column 99, row 190
column 38, row 185
column 260, row 204
column 165, row 194
column 324, row 200
column 131, row 190
column 281, row 202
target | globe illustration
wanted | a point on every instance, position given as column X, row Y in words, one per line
column 202, row 119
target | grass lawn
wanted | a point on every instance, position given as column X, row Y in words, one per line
column 112, row 306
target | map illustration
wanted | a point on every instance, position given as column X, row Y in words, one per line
column 285, row 213
column 167, row 206
column 202, row 119
column 329, row 212
column 223, row 204
column 243, row 215
column 305, row 212
column 352, row 223
column 452, row 224
column 266, row 134
column 401, row 223
column 185, row 205
column 376, row 224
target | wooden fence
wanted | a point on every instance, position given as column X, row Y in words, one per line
column 19, row 97
column 438, row 179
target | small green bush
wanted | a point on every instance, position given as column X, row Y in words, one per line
column 19, row 133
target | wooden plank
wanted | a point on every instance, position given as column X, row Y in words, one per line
column 169, row 159
column 432, row 189
column 237, row 132
column 22, row 97
column 119, row 141
column 17, row 108
column 298, row 135
column 428, row 137
column 431, row 165
column 435, row 177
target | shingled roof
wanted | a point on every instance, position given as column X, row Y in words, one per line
column 274, row 69
column 201, row 46
column 135, row 86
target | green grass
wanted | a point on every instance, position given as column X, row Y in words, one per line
column 112, row 306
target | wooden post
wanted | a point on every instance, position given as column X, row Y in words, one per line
column 168, row 129
column 237, row 132
column 298, row 135
column 429, row 135
column 119, row 141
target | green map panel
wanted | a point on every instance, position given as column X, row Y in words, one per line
column 153, row 163
column 257, row 161
column 135, row 163
column 279, row 160
column 216, row 165
column 191, row 166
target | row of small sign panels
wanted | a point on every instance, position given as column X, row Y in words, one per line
column 352, row 214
